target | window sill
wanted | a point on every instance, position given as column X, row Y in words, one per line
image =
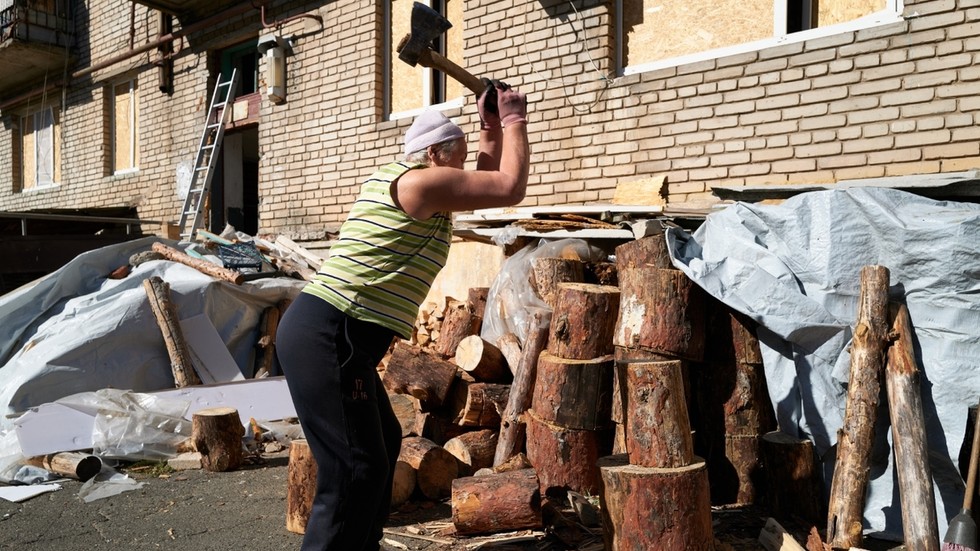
column 41, row 188
column 455, row 103
column 124, row 173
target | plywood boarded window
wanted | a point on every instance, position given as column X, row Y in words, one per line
column 40, row 149
column 656, row 30
column 125, row 126
column 417, row 87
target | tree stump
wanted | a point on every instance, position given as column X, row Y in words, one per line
column 457, row 324
column 474, row 450
column 660, row 311
column 576, row 394
column 792, row 479
column 658, row 431
column 403, row 483
column 565, row 458
column 217, row 435
column 423, row 375
column 584, row 321
column 548, row 272
column 497, row 502
column 482, row 360
column 300, row 486
column 485, row 402
column 435, row 468
column 647, row 508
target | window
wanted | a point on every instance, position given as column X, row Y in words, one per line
column 243, row 58
column 667, row 32
column 125, row 126
column 40, row 149
column 413, row 88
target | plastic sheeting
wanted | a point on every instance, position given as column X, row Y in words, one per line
column 76, row 330
column 795, row 269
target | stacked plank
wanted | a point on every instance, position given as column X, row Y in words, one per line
column 656, row 494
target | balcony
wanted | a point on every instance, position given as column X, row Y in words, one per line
column 35, row 42
column 190, row 11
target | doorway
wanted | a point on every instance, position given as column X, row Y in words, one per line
column 235, row 200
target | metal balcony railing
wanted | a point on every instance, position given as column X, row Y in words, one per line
column 46, row 18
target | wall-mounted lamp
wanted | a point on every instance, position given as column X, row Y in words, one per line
column 275, row 49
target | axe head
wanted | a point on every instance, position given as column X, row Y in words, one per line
column 427, row 25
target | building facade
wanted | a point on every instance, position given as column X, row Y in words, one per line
column 102, row 104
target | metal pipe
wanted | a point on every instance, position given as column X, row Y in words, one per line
column 282, row 22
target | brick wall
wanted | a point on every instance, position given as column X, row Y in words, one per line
column 894, row 100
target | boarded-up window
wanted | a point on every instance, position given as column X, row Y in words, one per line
column 655, row 30
column 125, row 128
column 417, row 87
column 40, row 149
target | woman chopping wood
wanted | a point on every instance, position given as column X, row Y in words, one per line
column 368, row 291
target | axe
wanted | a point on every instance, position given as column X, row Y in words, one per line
column 414, row 48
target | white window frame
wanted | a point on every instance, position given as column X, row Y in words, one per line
column 36, row 183
column 134, row 129
column 892, row 13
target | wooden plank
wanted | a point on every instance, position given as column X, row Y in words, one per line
column 953, row 184
column 505, row 214
column 648, row 191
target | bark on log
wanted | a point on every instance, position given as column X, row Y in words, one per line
column 646, row 252
column 435, row 468
column 565, row 459
column 158, row 295
column 405, row 408
column 909, row 436
column 300, row 486
column 855, row 438
column 217, row 435
column 658, row 431
column 744, row 339
column 510, row 347
column 267, row 341
column 203, row 266
column 646, row 508
column 457, row 324
column 482, row 360
column 575, row 394
column 80, row 466
column 548, row 272
column 602, row 273
column 435, row 427
column 477, row 299
column 496, row 503
column 660, row 311
column 623, row 357
column 485, row 403
column 584, row 321
column 474, row 450
column 423, row 375
column 403, row 483
column 745, row 483
column 521, row 391
column 792, row 482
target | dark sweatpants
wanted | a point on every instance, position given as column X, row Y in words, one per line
column 330, row 361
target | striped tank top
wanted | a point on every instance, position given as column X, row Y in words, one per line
column 384, row 261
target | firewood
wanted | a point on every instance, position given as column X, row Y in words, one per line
column 436, row 427
column 547, row 273
column 496, row 503
column 481, row 359
column 77, row 465
column 658, row 430
column 477, row 299
column 158, row 295
column 435, row 468
column 584, row 321
column 457, row 324
column 423, row 375
column 403, row 483
column 510, row 347
column 855, row 437
column 643, row 253
column 660, row 311
column 511, row 430
column 576, row 394
column 565, row 458
column 203, row 266
column 405, row 408
column 300, row 486
column 485, row 402
column 474, row 450
column 267, row 341
column 217, row 435
column 792, row 479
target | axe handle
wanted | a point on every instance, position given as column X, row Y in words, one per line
column 435, row 60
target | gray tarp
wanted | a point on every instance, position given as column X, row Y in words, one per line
column 795, row 269
column 77, row 331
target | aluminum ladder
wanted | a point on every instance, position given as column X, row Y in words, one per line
column 207, row 157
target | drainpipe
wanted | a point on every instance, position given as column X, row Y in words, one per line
column 165, row 39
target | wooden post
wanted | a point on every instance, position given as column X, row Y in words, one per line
column 158, row 295
column 203, row 266
column 300, row 486
column 855, row 438
column 80, row 466
column 496, row 502
column 521, row 391
column 658, row 431
column 217, row 436
column 909, row 436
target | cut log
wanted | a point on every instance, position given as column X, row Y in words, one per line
column 660, row 311
column 792, row 480
column 436, row 427
column 575, row 394
column 510, row 347
column 158, row 295
column 300, row 486
column 746, row 480
column 496, row 503
column 855, row 438
column 217, row 435
column 744, row 339
column 423, row 375
column 80, row 466
column 435, row 468
column 405, row 408
column 267, row 341
column 646, row 508
column 909, row 436
column 485, row 402
column 474, row 450
column 547, row 273
column 203, row 266
column 482, row 360
column 457, row 324
column 584, row 321
column 602, row 273
column 403, row 483
column 477, row 299
column 565, row 459
column 658, row 431
column 623, row 357
column 521, row 391
column 643, row 253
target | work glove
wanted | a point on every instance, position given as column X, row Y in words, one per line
column 511, row 106
column 486, row 105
